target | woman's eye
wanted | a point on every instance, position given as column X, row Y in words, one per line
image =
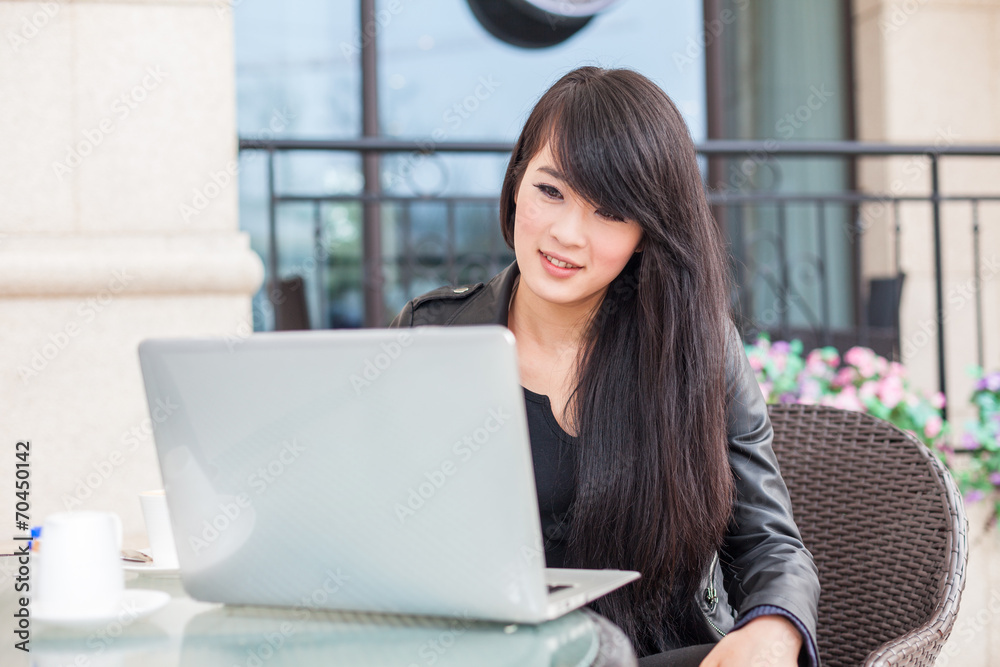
column 549, row 191
column 610, row 216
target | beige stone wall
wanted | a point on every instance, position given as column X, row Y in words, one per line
column 928, row 71
column 116, row 116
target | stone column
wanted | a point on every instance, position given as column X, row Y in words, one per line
column 118, row 222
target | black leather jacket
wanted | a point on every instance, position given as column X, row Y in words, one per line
column 763, row 560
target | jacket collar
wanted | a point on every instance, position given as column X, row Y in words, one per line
column 489, row 305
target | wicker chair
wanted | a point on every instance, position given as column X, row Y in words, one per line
column 887, row 528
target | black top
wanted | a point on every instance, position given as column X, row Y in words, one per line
column 552, row 455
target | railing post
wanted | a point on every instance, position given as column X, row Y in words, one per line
column 783, row 260
column 321, row 256
column 823, row 286
column 857, row 285
column 938, row 286
column 977, row 279
column 272, row 232
column 372, row 226
column 715, row 110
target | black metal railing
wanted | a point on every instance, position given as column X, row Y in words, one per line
column 768, row 290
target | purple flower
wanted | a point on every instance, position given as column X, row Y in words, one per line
column 995, row 478
column 787, row 397
column 993, row 381
column 781, row 347
column 974, row 496
column 968, row 441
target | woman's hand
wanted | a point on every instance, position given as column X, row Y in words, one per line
column 766, row 641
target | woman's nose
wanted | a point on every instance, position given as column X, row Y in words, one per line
column 569, row 228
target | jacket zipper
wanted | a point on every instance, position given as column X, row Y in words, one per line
column 711, row 596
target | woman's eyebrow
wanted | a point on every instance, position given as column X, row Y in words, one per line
column 551, row 171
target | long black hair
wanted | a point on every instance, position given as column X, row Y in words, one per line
column 654, row 487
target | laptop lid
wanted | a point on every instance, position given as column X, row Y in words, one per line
column 372, row 470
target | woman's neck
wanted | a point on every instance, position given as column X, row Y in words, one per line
column 548, row 325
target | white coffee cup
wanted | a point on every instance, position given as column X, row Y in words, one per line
column 161, row 537
column 78, row 568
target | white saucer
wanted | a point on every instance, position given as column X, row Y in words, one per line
column 150, row 568
column 135, row 604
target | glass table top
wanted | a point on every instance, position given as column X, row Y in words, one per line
column 194, row 634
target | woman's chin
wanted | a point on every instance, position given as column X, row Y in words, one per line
column 549, row 291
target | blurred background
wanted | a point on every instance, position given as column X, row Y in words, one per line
column 216, row 167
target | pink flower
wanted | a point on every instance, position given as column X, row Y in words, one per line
column 756, row 363
column 938, row 400
column 811, row 390
column 848, row 400
column 897, row 369
column 867, row 369
column 815, row 364
column 845, row 377
column 855, row 356
column 933, row 426
column 890, row 391
column 868, row 390
column 863, row 359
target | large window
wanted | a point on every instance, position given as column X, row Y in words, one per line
column 785, row 76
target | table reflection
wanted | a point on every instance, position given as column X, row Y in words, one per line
column 197, row 634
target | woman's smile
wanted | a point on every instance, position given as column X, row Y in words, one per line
column 557, row 267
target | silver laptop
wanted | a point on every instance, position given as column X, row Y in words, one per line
column 379, row 470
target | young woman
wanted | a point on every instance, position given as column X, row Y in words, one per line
column 650, row 437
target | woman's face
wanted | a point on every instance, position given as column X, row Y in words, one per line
column 552, row 222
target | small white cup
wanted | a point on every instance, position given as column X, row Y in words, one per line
column 78, row 569
column 161, row 537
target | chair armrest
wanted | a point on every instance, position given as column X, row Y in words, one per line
column 922, row 645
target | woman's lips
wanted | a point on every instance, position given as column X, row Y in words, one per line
column 557, row 271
